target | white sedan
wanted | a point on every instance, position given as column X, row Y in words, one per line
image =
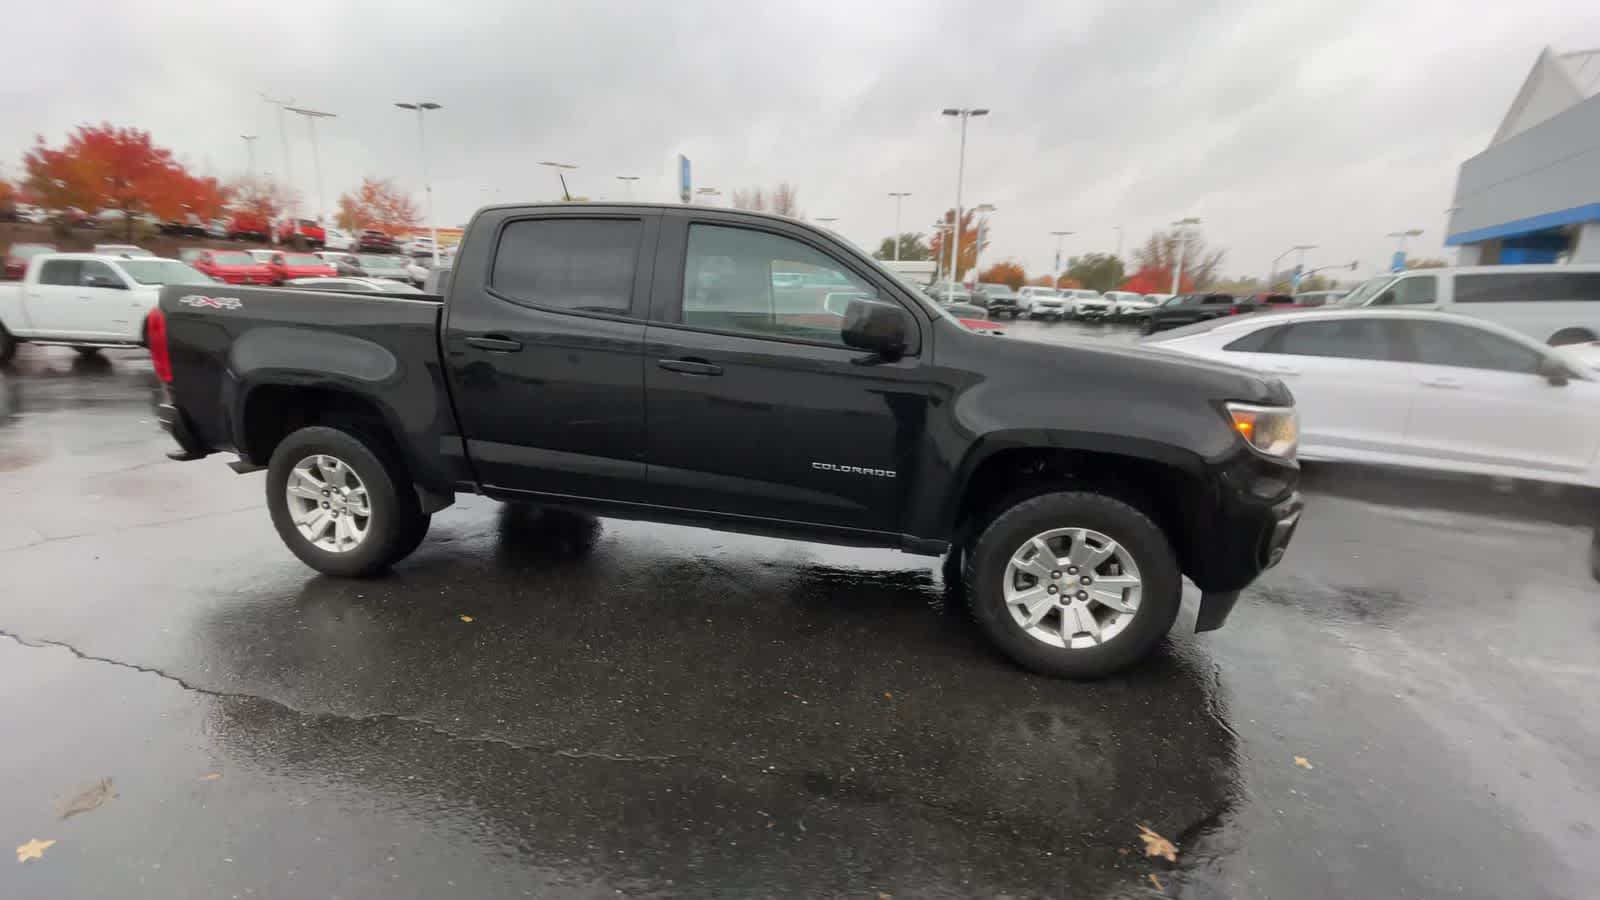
column 1420, row 389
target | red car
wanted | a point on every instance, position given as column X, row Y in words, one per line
column 371, row 240
column 233, row 267
column 17, row 257
column 313, row 234
column 248, row 225
column 285, row 266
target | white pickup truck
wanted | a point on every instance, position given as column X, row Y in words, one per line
column 86, row 301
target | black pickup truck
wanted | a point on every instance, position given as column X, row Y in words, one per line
column 749, row 373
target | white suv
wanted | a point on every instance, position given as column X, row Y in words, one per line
column 1086, row 304
column 1039, row 302
column 1126, row 303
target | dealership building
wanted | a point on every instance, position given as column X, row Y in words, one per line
column 1533, row 195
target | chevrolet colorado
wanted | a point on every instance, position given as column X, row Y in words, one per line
column 750, row 373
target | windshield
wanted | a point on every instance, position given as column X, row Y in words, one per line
column 1174, row 300
column 233, row 258
column 1368, row 289
column 163, row 271
column 380, row 262
column 303, row 259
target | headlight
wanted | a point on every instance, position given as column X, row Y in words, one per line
column 1274, row 430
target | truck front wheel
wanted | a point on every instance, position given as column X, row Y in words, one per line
column 1073, row 584
column 341, row 502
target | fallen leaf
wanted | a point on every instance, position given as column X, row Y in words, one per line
column 466, row 618
column 1156, row 845
column 90, row 798
column 1157, row 882
column 1302, row 762
column 1122, row 851
column 885, row 895
column 33, row 849
column 211, row 776
column 888, row 696
column 770, row 823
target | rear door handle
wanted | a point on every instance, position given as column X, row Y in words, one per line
column 495, row 343
column 689, row 366
column 1446, row 383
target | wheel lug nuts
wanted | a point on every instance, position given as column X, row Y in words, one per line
column 1083, row 595
column 1055, row 574
column 324, row 504
column 1086, row 580
column 1051, row 589
column 1072, row 570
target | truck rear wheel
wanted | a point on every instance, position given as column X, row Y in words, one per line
column 8, row 345
column 341, row 502
column 1073, row 584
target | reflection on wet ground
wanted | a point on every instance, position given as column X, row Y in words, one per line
column 659, row 711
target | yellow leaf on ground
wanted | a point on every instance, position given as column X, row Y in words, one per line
column 1156, row 845
column 33, row 849
column 211, row 776
column 885, row 895
column 1302, row 762
column 466, row 618
column 1156, row 881
column 89, row 798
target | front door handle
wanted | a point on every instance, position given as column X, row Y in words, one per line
column 495, row 343
column 1446, row 383
column 689, row 366
column 1283, row 370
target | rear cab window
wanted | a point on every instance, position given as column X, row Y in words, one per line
column 1527, row 287
column 568, row 264
column 60, row 271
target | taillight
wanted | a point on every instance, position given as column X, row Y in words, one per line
column 1235, row 310
column 155, row 335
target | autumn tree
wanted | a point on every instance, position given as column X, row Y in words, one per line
column 379, row 204
column 1008, row 272
column 913, row 246
column 8, row 200
column 1042, row 281
column 783, row 200
column 967, row 251
column 1425, row 262
column 1096, row 271
column 1156, row 257
column 104, row 167
column 261, row 198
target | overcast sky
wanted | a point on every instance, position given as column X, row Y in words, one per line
column 1327, row 122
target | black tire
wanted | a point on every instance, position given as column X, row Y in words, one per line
column 1567, row 336
column 8, row 346
column 87, row 352
column 393, row 529
column 985, row 567
column 1147, row 325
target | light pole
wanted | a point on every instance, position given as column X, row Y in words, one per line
column 561, row 173
column 1402, row 235
column 1183, row 249
column 961, row 165
column 250, row 154
column 1059, row 235
column 427, row 186
column 627, row 184
column 311, row 117
column 1119, row 240
column 899, row 197
column 1272, row 273
column 283, row 136
column 939, row 263
column 985, row 210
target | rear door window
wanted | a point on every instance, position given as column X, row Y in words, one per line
column 1527, row 287
column 1343, row 338
column 1451, row 344
column 1412, row 291
column 571, row 265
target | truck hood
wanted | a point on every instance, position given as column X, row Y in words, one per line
column 1156, row 370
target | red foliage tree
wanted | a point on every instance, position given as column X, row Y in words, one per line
column 104, row 167
column 379, row 204
column 1008, row 272
column 966, row 252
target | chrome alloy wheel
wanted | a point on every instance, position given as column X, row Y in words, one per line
column 328, row 503
column 1073, row 588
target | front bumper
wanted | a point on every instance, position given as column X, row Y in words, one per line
column 1244, row 534
column 1091, row 312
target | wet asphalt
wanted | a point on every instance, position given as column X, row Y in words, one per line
column 651, row 711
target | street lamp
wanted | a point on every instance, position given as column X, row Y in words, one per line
column 961, row 165
column 427, row 186
column 899, row 197
column 561, row 170
column 1119, row 240
column 1272, row 273
column 283, row 137
column 250, row 154
column 1183, row 248
column 311, row 117
column 939, row 263
column 627, row 183
column 1059, row 235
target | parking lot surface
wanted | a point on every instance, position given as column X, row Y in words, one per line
column 542, row 704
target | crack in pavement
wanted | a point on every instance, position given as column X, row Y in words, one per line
column 415, row 721
column 70, row 537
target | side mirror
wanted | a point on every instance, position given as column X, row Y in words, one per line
column 1554, row 371
column 877, row 327
column 838, row 302
column 103, row 281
